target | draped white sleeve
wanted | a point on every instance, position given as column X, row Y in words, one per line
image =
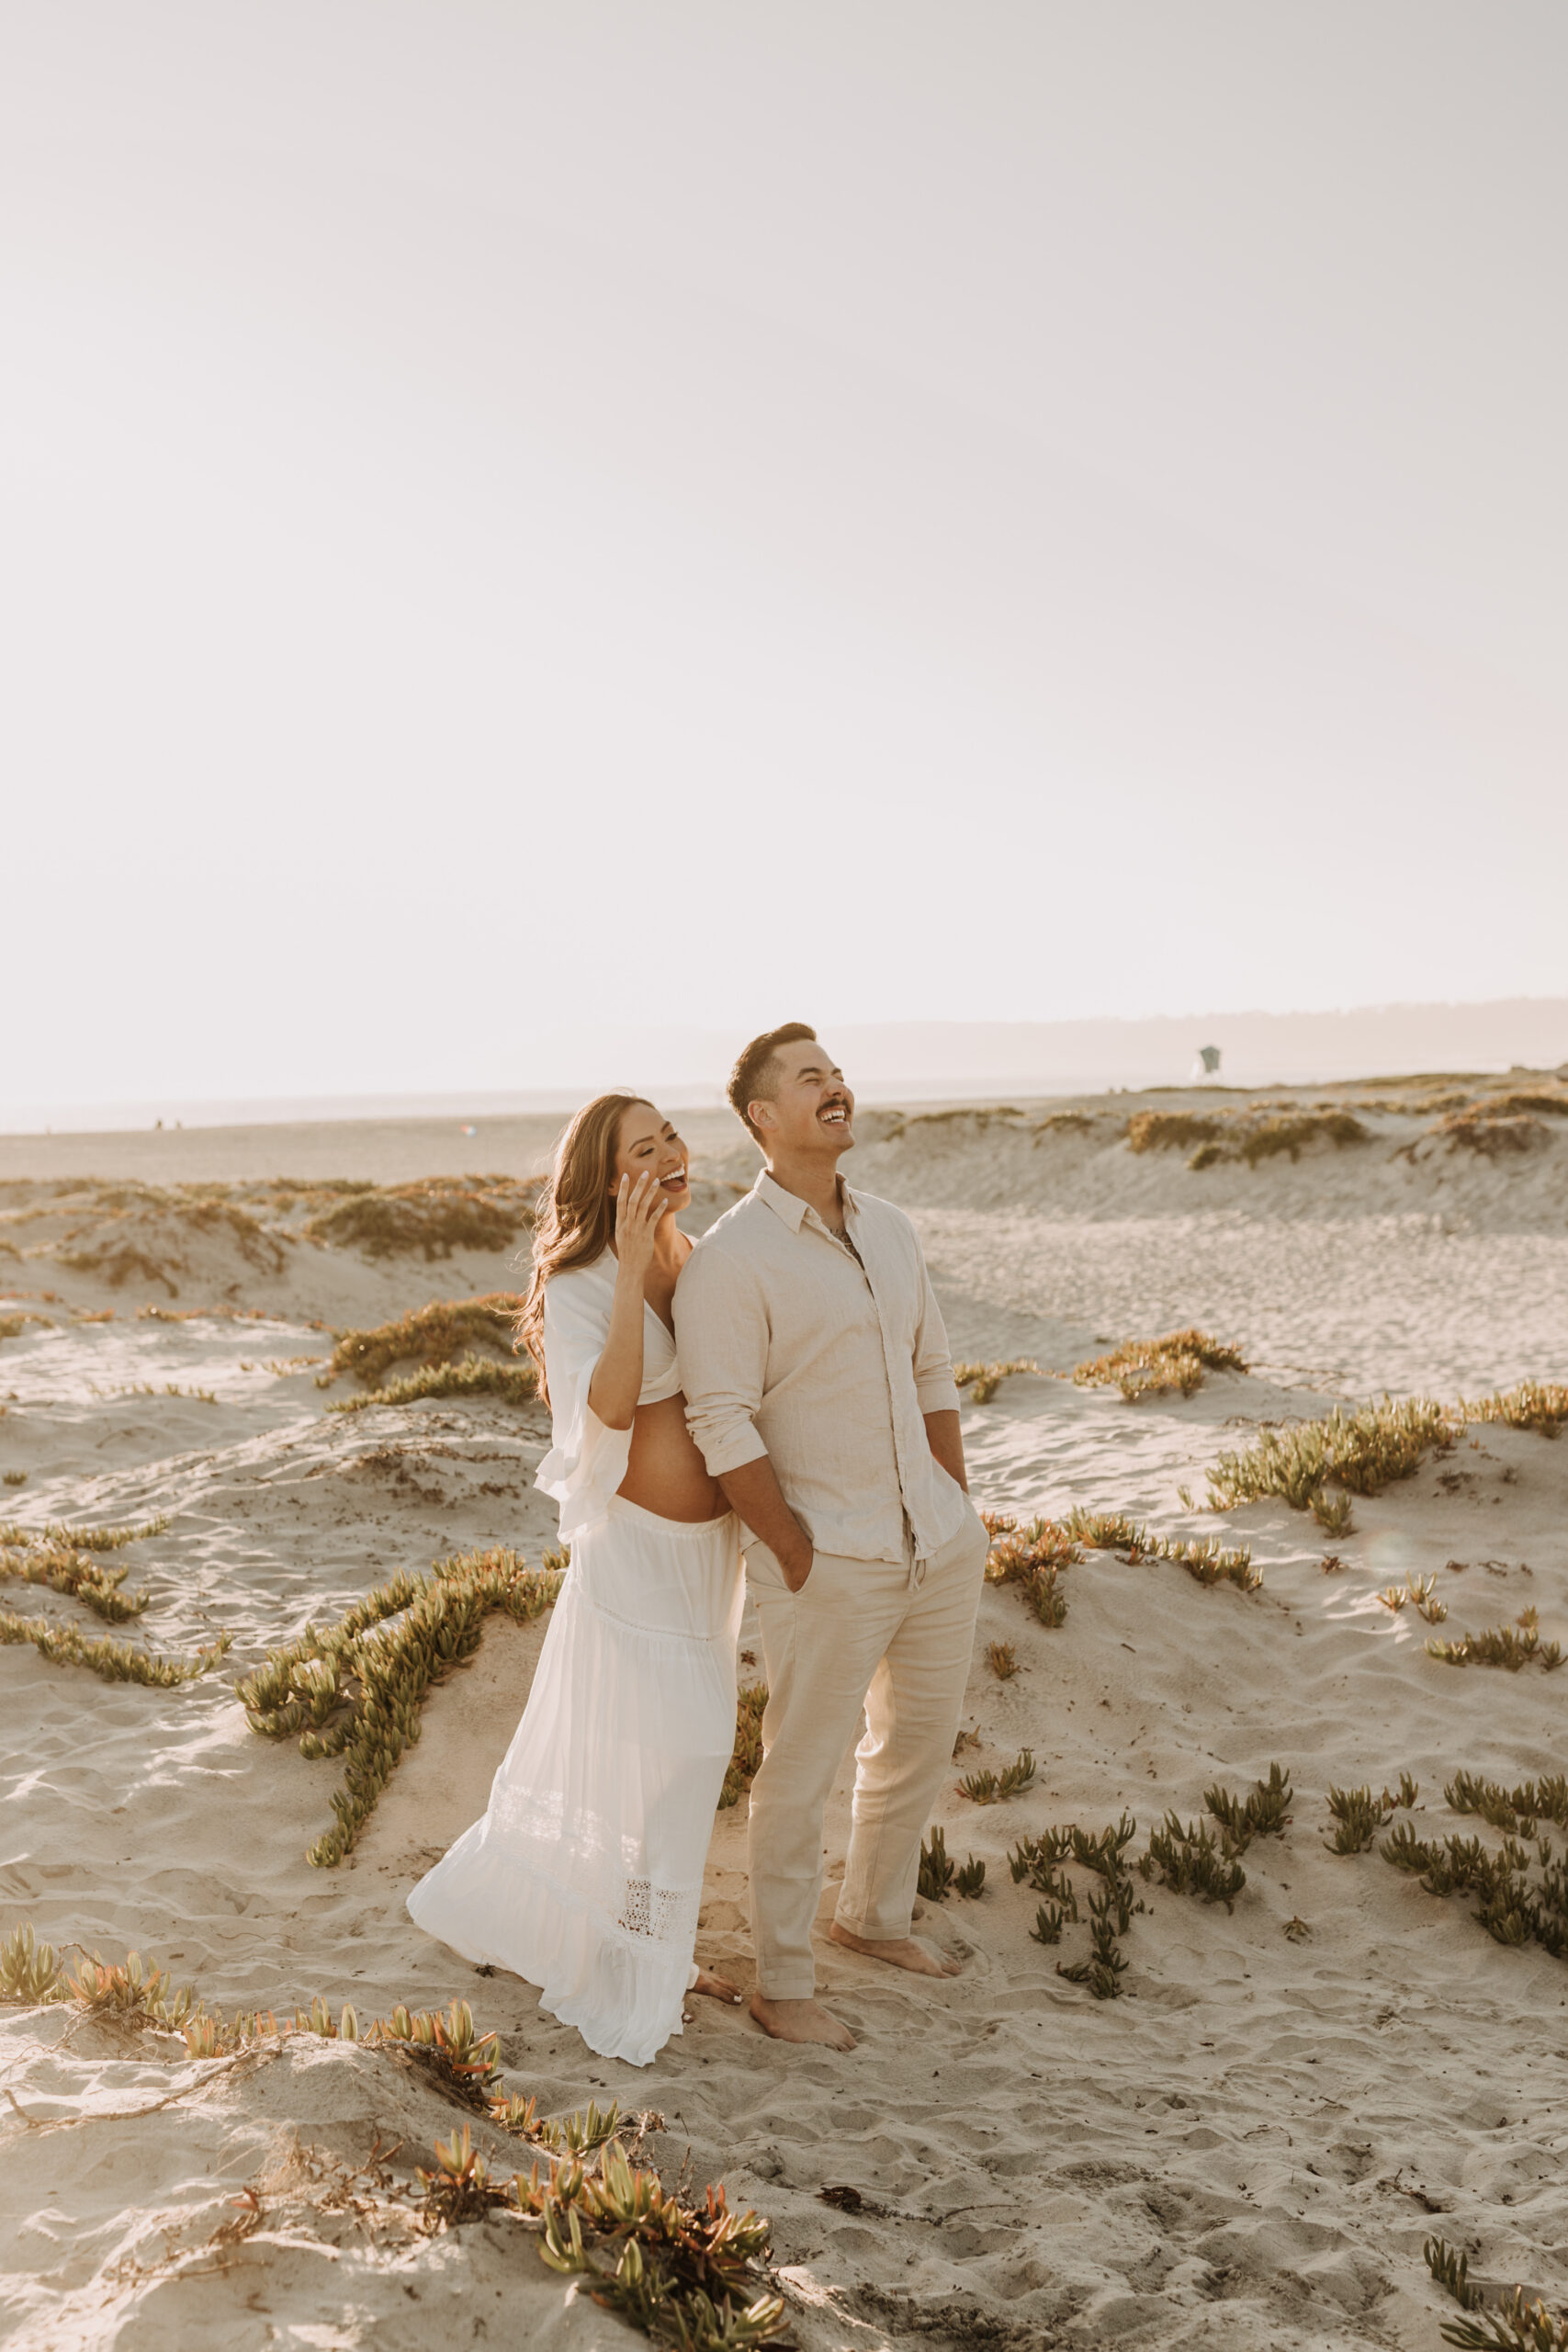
column 587, row 1460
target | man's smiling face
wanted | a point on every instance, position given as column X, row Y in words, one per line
column 810, row 1109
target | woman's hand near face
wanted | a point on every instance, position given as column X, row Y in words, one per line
column 639, row 1204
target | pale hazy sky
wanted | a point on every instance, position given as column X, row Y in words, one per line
column 517, row 515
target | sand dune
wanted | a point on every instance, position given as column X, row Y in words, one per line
column 1247, row 2149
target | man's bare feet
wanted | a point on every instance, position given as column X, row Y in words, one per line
column 718, row 1988
column 912, row 1952
column 800, row 2021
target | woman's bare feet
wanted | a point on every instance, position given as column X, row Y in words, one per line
column 912, row 1952
column 718, row 1988
column 800, row 2021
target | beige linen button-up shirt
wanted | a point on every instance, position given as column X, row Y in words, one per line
column 791, row 1346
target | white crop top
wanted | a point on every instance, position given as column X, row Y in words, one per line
column 587, row 1461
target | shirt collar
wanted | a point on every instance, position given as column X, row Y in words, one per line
column 789, row 1207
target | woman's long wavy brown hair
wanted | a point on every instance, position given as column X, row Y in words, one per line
column 576, row 1216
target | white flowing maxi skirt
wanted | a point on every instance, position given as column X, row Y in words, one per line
column 585, row 1874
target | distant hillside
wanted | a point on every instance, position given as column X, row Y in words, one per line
column 1257, row 1048
column 555, row 1066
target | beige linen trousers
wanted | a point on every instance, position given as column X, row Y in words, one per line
column 895, row 1637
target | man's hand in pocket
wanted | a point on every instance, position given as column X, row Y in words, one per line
column 797, row 1566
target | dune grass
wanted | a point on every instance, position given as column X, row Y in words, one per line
column 431, row 1218
column 1149, row 1367
column 356, row 1689
column 475, row 1376
column 425, row 1335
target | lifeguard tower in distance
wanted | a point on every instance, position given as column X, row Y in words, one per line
column 1206, row 1064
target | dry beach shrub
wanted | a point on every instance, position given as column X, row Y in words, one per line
column 1149, row 1367
column 425, row 1335
column 1292, row 1135
column 13, row 1326
column 744, row 1763
column 430, row 1218
column 475, row 1376
column 1493, row 1136
column 119, row 1266
column 1070, row 1123
column 1172, row 1130
column 983, row 1380
column 162, row 1217
column 1243, row 1135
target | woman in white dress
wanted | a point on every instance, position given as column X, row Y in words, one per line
column 585, row 1874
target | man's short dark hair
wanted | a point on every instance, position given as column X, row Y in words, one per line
column 753, row 1078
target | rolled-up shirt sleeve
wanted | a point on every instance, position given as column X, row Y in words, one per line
column 721, row 1337
column 936, row 1388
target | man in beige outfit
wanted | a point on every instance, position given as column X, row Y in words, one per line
column 819, row 1390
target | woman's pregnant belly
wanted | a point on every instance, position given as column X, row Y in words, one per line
column 665, row 1473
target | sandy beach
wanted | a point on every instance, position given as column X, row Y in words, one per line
column 1293, row 2091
